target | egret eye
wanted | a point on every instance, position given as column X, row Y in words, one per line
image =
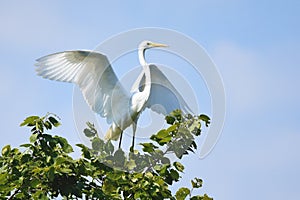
column 148, row 43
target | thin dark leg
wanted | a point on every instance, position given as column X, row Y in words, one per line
column 120, row 140
column 133, row 136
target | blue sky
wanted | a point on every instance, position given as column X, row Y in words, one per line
column 255, row 45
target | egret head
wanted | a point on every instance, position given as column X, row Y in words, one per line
column 148, row 44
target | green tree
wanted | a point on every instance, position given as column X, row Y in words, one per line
column 43, row 168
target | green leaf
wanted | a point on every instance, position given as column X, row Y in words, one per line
column 48, row 159
column 183, row 132
column 108, row 187
column 67, row 148
column 26, row 158
column 177, row 114
column 178, row 166
column 182, row 193
column 195, row 127
column 162, row 169
column 172, row 128
column 29, row 121
column 97, row 144
column 89, row 133
column 48, row 125
column 193, row 145
column 162, row 137
column 51, row 173
column 170, row 120
column 20, row 196
column 115, row 175
column 41, row 195
column 205, row 118
column 54, row 121
column 148, row 147
column 6, row 150
column 196, row 183
column 149, row 175
column 131, row 164
column 65, row 170
column 198, row 197
column 34, row 183
column 165, row 160
column 109, row 147
column 3, row 179
column 59, row 160
column 174, row 174
column 205, row 197
column 119, row 157
column 162, row 134
column 39, row 125
column 26, row 145
column 138, row 194
column 82, row 146
column 33, row 138
column 85, row 151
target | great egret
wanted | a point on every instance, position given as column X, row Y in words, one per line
column 103, row 92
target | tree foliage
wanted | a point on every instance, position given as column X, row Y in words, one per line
column 44, row 169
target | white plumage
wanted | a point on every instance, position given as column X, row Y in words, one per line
column 103, row 92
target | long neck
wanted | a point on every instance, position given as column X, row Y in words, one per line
column 144, row 64
column 146, row 68
column 142, row 57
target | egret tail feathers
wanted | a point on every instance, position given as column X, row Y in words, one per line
column 113, row 133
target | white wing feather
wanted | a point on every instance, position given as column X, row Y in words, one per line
column 93, row 74
column 164, row 98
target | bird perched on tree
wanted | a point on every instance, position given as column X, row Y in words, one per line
column 103, row 92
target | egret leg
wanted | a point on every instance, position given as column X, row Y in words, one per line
column 133, row 136
column 120, row 141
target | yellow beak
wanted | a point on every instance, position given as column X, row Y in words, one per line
column 158, row 45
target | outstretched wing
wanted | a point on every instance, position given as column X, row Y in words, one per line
column 92, row 72
column 164, row 98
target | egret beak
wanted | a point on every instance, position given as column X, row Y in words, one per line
column 158, row 45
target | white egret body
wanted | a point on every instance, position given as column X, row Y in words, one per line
column 103, row 92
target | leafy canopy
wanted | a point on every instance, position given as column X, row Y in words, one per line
column 44, row 168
